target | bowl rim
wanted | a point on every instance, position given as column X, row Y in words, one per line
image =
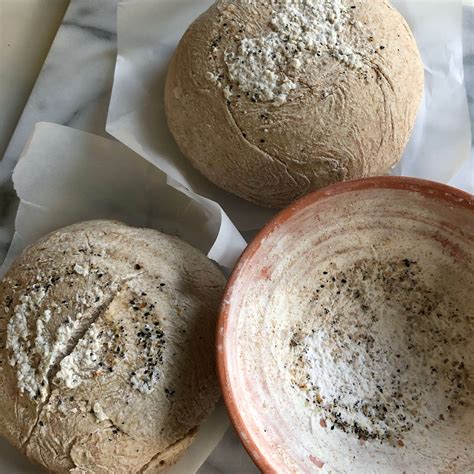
column 430, row 189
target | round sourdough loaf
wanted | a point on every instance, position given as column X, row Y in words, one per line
column 273, row 99
column 107, row 348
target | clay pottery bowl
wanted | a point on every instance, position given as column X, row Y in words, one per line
column 345, row 341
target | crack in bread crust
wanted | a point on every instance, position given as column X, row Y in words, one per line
column 170, row 455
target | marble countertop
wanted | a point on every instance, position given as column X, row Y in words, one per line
column 73, row 88
column 468, row 44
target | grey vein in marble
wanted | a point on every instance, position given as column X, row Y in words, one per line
column 97, row 32
column 468, row 53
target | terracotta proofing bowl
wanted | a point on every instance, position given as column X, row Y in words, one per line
column 345, row 337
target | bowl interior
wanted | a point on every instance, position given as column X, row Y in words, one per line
column 345, row 341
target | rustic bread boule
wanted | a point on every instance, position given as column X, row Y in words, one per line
column 273, row 99
column 107, row 348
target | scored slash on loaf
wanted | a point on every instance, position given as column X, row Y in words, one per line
column 107, row 348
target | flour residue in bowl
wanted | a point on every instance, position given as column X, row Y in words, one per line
column 353, row 330
column 380, row 341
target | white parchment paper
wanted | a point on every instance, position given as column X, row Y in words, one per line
column 440, row 146
column 149, row 31
column 66, row 176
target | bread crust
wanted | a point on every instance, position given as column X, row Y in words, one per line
column 107, row 348
column 347, row 117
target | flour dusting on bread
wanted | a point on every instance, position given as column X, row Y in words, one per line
column 268, row 66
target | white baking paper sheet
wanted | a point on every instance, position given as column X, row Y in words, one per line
column 66, row 176
column 149, row 31
column 441, row 142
